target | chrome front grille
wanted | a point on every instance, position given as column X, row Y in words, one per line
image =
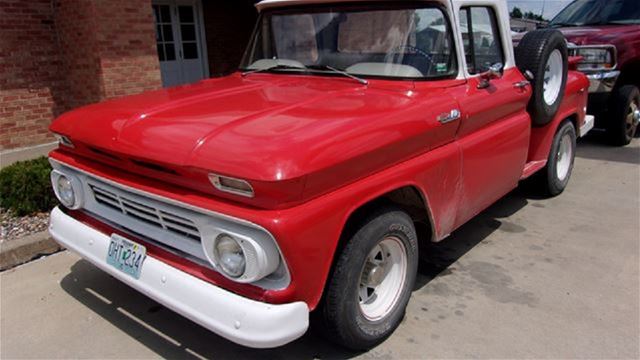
column 145, row 212
column 177, row 227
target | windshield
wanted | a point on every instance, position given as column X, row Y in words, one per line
column 372, row 41
column 599, row 12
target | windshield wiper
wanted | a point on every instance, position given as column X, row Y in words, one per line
column 338, row 71
column 306, row 68
column 274, row 67
column 554, row 25
column 612, row 22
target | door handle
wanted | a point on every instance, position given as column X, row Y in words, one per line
column 453, row 115
column 521, row 84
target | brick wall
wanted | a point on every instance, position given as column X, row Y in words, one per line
column 32, row 88
column 59, row 54
column 126, row 41
column 75, row 27
column 56, row 55
column 228, row 27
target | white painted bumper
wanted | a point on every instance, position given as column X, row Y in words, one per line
column 241, row 320
column 589, row 121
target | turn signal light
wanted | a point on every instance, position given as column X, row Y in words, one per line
column 232, row 185
column 63, row 140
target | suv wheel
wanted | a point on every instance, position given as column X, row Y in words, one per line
column 624, row 115
column 374, row 275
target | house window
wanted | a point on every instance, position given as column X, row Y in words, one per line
column 164, row 33
column 188, row 32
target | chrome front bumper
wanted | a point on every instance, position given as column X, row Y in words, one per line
column 589, row 122
column 603, row 82
column 236, row 318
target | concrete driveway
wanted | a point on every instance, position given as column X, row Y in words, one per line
column 528, row 278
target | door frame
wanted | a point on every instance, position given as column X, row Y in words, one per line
column 202, row 38
column 201, row 34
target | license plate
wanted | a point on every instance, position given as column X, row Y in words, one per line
column 126, row 255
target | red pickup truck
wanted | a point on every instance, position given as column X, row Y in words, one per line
column 308, row 180
column 606, row 33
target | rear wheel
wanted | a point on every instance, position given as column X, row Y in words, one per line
column 371, row 285
column 543, row 53
column 624, row 115
column 554, row 178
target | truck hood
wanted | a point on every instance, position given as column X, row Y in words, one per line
column 626, row 39
column 263, row 126
column 599, row 35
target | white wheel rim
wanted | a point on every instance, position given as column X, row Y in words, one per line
column 382, row 278
column 553, row 77
column 564, row 157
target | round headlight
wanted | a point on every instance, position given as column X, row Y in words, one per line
column 229, row 256
column 244, row 257
column 65, row 191
column 68, row 189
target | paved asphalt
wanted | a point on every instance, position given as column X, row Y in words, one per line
column 528, row 278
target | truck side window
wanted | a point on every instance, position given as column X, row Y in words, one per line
column 483, row 48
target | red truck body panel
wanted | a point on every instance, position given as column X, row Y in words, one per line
column 330, row 139
column 255, row 182
column 286, row 135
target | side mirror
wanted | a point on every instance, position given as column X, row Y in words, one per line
column 495, row 72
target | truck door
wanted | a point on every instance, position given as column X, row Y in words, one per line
column 495, row 127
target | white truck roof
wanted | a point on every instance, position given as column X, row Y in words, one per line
column 280, row 3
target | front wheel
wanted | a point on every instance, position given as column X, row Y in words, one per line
column 368, row 293
column 553, row 179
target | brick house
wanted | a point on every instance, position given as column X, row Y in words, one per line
column 56, row 55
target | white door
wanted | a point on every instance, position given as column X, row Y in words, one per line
column 179, row 38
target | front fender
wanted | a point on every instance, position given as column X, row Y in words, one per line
column 309, row 234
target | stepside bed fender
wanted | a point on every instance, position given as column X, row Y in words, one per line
column 573, row 108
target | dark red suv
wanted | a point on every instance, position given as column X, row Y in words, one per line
column 606, row 33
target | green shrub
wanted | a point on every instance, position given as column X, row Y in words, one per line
column 25, row 187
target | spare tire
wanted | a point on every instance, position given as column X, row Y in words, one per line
column 544, row 54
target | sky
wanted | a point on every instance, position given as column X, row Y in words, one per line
column 551, row 7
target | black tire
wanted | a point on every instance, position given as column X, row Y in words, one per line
column 547, row 179
column 340, row 314
column 621, row 127
column 532, row 54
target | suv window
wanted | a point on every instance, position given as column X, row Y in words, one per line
column 481, row 38
column 598, row 12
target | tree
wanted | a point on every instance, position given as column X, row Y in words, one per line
column 532, row 16
column 516, row 13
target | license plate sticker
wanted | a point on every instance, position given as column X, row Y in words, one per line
column 126, row 255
